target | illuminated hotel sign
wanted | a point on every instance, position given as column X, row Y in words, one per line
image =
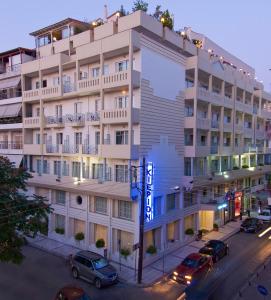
column 149, row 192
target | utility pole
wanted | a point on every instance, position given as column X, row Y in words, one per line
column 141, row 228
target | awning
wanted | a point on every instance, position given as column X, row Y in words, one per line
column 11, row 110
column 9, row 83
column 16, row 159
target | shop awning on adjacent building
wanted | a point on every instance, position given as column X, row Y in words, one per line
column 11, row 110
column 16, row 159
column 9, row 83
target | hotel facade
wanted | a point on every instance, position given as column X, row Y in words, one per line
column 99, row 98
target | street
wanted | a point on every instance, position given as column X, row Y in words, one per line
column 41, row 275
column 247, row 252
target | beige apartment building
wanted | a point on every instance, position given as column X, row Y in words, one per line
column 11, row 103
column 99, row 98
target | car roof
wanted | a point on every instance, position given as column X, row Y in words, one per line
column 72, row 291
column 194, row 256
column 89, row 254
column 215, row 242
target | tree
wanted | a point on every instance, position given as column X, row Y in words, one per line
column 166, row 19
column 19, row 214
column 157, row 14
column 140, row 5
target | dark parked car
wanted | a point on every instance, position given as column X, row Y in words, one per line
column 216, row 249
column 193, row 267
column 93, row 267
column 251, row 225
column 71, row 292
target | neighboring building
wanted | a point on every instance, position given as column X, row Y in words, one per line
column 90, row 116
column 11, row 102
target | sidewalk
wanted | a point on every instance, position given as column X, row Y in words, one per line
column 262, row 277
column 152, row 273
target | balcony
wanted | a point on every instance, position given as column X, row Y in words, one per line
column 118, row 116
column 10, row 71
column 88, row 85
column 120, row 79
column 76, row 120
column 214, row 149
column 239, row 128
column 32, row 122
column 248, row 132
column 215, row 124
column 120, row 151
column 197, row 151
column 71, row 149
column 260, row 134
column 11, row 147
column 52, row 149
column 54, row 122
column 90, row 150
column 227, row 127
column 50, row 92
column 92, row 118
column 32, row 149
column 31, row 95
column 226, row 150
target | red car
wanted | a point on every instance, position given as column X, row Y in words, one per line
column 193, row 267
column 71, row 292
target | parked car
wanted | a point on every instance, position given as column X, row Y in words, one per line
column 93, row 267
column 265, row 215
column 193, row 267
column 216, row 249
column 71, row 292
column 251, row 225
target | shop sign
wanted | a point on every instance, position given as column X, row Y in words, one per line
column 149, row 192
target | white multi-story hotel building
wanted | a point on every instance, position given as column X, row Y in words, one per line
column 100, row 98
column 11, row 102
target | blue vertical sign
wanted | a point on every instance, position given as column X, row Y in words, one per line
column 149, row 192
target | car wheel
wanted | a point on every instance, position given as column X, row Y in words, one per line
column 75, row 273
column 98, row 283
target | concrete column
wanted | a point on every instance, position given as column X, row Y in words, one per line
column 87, row 229
column 210, row 83
column 60, row 73
column 181, row 229
column 67, row 221
column 223, row 89
column 221, row 140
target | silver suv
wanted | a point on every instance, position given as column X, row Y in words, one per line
column 93, row 267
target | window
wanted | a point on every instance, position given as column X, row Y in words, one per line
column 44, row 83
column 85, row 171
column 57, row 168
column 171, row 201
column 39, row 171
column 58, row 111
column 203, row 140
column 37, row 111
column 78, row 107
column 122, row 102
column 37, row 84
column 122, row 137
column 60, row 197
column 189, row 111
column 46, row 169
column 121, row 173
column 122, row 66
column 37, row 138
column 227, row 141
column 83, row 75
column 65, row 168
column 125, row 210
column 95, row 72
column 100, row 205
column 43, row 40
column 157, row 206
column 79, row 200
column 55, row 81
column 188, row 139
column 59, row 221
column 97, row 105
column 97, row 171
column 76, row 168
column 187, row 166
column 227, row 119
column 106, row 70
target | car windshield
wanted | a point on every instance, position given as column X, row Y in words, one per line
column 208, row 251
column 99, row 263
column 191, row 263
column 249, row 221
column 264, row 213
column 212, row 244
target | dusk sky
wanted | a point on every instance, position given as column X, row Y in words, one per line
column 240, row 26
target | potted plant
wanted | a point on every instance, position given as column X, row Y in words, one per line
column 235, row 168
column 60, row 230
column 151, row 250
column 140, row 5
column 166, row 19
column 260, row 164
column 189, row 231
column 245, row 166
column 100, row 243
column 79, row 236
column 215, row 227
column 125, row 252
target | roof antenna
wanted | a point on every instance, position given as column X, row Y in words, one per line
column 105, row 12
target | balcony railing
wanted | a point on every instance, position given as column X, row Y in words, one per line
column 214, row 149
column 11, row 145
column 54, row 120
column 70, row 149
column 215, row 124
column 88, row 149
column 76, row 119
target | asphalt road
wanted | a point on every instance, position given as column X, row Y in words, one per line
column 41, row 275
column 247, row 253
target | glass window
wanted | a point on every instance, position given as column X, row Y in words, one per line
column 99, row 263
column 95, row 72
column 125, row 210
column 65, row 32
column 37, row 138
column 122, row 137
column 122, row 66
column 100, row 205
column 59, row 221
column 121, row 173
column 122, row 102
column 46, row 169
column 39, row 166
column 97, row 171
column 65, row 168
column 106, row 70
column 187, row 166
column 76, row 168
column 171, row 201
column 157, row 206
column 57, row 168
column 60, row 197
